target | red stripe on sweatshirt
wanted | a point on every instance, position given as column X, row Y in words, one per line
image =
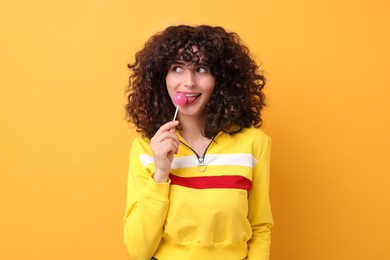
column 212, row 182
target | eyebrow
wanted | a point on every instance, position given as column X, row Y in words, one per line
column 178, row 62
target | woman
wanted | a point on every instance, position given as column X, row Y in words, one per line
column 198, row 187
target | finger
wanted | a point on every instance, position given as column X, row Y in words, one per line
column 164, row 148
column 159, row 137
column 167, row 127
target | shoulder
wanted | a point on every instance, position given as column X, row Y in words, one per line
column 256, row 138
column 254, row 132
column 250, row 134
column 141, row 145
column 253, row 135
column 249, row 140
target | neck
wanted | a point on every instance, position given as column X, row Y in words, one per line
column 192, row 128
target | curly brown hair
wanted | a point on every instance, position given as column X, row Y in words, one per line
column 238, row 97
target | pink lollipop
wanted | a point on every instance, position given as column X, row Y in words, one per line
column 180, row 99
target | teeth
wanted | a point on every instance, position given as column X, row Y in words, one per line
column 192, row 95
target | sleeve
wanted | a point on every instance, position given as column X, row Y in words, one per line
column 260, row 215
column 146, row 207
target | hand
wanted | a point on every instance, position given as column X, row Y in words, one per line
column 164, row 145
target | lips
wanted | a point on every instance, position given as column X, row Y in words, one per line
column 191, row 97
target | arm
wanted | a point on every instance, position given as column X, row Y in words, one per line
column 146, row 208
column 148, row 192
column 260, row 215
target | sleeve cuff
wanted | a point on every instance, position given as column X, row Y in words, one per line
column 157, row 191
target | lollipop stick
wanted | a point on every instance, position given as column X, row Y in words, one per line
column 174, row 117
column 177, row 110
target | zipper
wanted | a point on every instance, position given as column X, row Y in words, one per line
column 201, row 165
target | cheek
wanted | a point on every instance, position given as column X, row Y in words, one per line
column 211, row 86
column 171, row 86
column 171, row 81
column 168, row 80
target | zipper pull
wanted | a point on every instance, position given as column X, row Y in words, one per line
column 201, row 166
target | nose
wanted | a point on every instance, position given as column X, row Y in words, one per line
column 190, row 80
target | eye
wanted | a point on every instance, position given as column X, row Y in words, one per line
column 202, row 69
column 176, row 68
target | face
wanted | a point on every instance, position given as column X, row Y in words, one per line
column 195, row 81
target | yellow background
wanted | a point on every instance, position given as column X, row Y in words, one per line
column 64, row 142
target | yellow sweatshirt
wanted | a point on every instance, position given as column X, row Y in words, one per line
column 220, row 213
